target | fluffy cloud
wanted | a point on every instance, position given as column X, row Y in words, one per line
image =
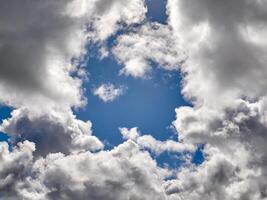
column 44, row 37
column 224, row 77
column 123, row 173
column 14, row 167
column 51, row 132
column 235, row 165
column 108, row 16
column 224, row 42
column 156, row 146
column 152, row 42
column 109, row 92
column 41, row 39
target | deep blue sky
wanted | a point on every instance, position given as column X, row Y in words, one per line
column 156, row 10
column 4, row 113
column 147, row 103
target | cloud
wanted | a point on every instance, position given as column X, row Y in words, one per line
column 108, row 16
column 41, row 39
column 151, row 42
column 45, row 38
column 14, row 166
column 235, row 138
column 108, row 92
column 125, row 172
column 150, row 143
column 51, row 132
column 225, row 47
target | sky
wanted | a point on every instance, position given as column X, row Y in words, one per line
column 133, row 100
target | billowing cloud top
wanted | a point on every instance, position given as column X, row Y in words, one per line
column 219, row 47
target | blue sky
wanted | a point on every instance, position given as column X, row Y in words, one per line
column 157, row 10
column 148, row 103
column 5, row 113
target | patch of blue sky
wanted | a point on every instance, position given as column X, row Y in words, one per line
column 174, row 160
column 4, row 113
column 157, row 11
column 148, row 103
column 198, row 156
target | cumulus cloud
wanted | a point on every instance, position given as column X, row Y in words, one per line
column 41, row 39
column 224, row 77
column 156, row 146
column 152, row 42
column 44, row 37
column 225, row 45
column 220, row 48
column 51, row 133
column 109, row 92
column 14, row 167
column 236, row 139
column 123, row 173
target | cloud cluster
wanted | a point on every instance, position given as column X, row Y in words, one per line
column 152, row 42
column 156, row 146
column 45, row 39
column 220, row 48
column 51, row 132
column 224, row 41
column 123, row 173
column 224, row 76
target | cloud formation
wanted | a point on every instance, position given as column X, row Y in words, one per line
column 123, row 173
column 219, row 47
column 224, row 77
column 152, row 42
column 148, row 142
column 51, row 132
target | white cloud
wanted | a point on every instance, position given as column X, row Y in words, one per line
column 122, row 173
column 152, row 42
column 14, row 166
column 132, row 133
column 224, row 59
column 43, row 38
column 224, row 77
column 51, row 132
column 156, row 146
column 109, row 92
